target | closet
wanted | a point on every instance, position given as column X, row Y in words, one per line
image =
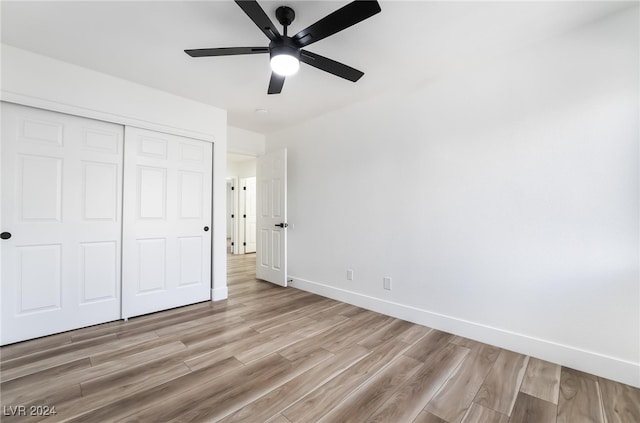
column 99, row 222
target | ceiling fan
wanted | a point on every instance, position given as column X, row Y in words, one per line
column 287, row 52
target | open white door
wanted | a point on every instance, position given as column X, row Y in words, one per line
column 271, row 196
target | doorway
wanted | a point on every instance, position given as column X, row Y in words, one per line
column 241, row 204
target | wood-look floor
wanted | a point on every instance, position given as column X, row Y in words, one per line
column 283, row 355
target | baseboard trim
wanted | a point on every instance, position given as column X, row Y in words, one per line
column 219, row 294
column 598, row 364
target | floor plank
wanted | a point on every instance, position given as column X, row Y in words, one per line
column 500, row 388
column 279, row 399
column 18, row 393
column 101, row 401
column 418, row 390
column 360, row 404
column 453, row 400
column 169, row 400
column 152, row 373
column 34, row 346
column 316, row 404
column 579, row 399
column 218, row 398
column 278, row 419
column 621, row 402
column 391, row 329
column 426, row 417
column 529, row 409
column 542, row 380
column 480, row 414
column 432, row 341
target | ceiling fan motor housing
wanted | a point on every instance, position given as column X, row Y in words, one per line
column 284, row 46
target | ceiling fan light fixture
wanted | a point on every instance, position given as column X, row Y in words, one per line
column 284, row 64
column 285, row 57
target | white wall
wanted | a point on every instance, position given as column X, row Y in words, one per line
column 243, row 169
column 40, row 81
column 503, row 201
column 241, row 141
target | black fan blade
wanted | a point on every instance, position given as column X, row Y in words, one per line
column 276, row 83
column 227, row 51
column 343, row 18
column 331, row 66
column 257, row 15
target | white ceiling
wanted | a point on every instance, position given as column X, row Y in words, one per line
column 409, row 42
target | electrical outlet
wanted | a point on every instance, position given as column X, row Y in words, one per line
column 349, row 274
column 387, row 283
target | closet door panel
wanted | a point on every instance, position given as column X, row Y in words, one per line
column 61, row 203
column 167, row 222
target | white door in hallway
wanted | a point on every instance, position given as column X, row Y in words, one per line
column 167, row 222
column 271, row 196
column 61, row 205
column 249, row 214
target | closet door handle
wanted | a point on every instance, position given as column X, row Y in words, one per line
column 206, row 228
column 5, row 235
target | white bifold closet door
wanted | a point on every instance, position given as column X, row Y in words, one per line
column 61, row 207
column 166, row 260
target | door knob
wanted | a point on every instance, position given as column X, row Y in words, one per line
column 282, row 225
column 206, row 228
column 5, row 235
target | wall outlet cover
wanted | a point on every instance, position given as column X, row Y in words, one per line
column 387, row 283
